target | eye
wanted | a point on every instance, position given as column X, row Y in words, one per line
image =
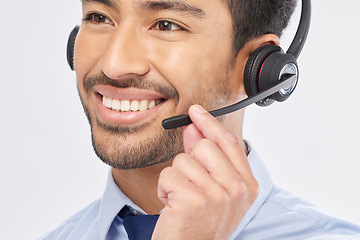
column 167, row 26
column 97, row 18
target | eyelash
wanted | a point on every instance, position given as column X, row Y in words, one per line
column 90, row 18
column 156, row 26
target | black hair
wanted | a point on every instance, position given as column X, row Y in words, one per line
column 254, row 18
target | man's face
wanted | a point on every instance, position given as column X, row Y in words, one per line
column 139, row 62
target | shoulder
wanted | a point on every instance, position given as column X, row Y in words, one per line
column 287, row 216
column 85, row 216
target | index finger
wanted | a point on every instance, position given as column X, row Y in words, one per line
column 227, row 141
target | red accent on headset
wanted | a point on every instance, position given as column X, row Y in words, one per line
column 260, row 72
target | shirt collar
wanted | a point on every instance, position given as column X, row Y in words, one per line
column 265, row 185
column 114, row 200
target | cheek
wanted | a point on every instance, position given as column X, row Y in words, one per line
column 178, row 64
column 194, row 68
column 87, row 52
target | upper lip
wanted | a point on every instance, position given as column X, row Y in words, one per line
column 127, row 93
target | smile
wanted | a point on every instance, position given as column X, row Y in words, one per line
column 129, row 105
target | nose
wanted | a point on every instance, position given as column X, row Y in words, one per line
column 124, row 55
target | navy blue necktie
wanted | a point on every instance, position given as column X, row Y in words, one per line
column 138, row 227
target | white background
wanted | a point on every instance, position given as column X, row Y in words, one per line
column 48, row 168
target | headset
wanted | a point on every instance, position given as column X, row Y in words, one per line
column 270, row 74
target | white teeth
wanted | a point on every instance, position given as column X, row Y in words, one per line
column 127, row 105
column 108, row 102
column 116, row 105
column 134, row 106
column 151, row 104
column 144, row 104
column 104, row 101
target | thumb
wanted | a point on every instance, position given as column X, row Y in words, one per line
column 191, row 135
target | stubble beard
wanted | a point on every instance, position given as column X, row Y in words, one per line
column 155, row 149
column 113, row 148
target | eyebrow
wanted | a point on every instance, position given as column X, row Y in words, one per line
column 155, row 5
column 109, row 3
column 176, row 6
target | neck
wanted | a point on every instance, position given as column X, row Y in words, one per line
column 140, row 186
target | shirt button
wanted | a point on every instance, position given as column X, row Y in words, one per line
column 135, row 212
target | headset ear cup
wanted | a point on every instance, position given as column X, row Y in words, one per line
column 70, row 47
column 276, row 66
column 253, row 69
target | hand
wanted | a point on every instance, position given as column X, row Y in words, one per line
column 209, row 188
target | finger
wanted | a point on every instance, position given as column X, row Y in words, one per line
column 228, row 142
column 173, row 185
column 193, row 170
column 217, row 164
column 191, row 135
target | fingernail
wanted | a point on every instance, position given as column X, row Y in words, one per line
column 198, row 109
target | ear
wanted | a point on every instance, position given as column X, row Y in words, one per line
column 246, row 51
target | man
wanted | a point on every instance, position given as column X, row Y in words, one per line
column 139, row 62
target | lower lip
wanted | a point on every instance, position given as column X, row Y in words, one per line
column 109, row 116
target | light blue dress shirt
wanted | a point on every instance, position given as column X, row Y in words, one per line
column 276, row 215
